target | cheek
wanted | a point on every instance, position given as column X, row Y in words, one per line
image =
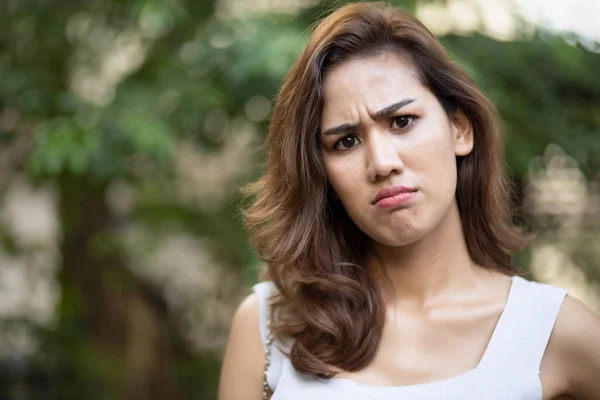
column 435, row 164
column 433, row 155
column 346, row 177
column 343, row 174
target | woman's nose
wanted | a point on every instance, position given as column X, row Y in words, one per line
column 383, row 158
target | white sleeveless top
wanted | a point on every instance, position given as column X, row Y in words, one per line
column 509, row 368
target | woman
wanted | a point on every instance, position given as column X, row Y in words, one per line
column 384, row 223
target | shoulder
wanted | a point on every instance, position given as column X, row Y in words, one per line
column 574, row 347
column 253, row 311
column 577, row 330
column 575, row 322
column 243, row 363
column 247, row 315
column 245, row 329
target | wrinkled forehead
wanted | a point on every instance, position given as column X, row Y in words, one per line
column 365, row 65
column 369, row 84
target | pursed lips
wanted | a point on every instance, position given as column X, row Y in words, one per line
column 391, row 191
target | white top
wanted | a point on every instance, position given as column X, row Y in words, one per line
column 509, row 368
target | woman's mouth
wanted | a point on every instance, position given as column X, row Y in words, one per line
column 393, row 196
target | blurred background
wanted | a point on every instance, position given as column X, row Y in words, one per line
column 128, row 127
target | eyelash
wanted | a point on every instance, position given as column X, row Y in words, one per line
column 412, row 117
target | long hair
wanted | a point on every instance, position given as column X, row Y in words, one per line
column 328, row 306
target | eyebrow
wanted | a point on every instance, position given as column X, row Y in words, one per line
column 384, row 112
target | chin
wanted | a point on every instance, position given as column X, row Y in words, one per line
column 396, row 237
column 399, row 241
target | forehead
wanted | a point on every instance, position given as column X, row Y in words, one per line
column 371, row 83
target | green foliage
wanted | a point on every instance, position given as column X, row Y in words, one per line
column 546, row 91
column 61, row 147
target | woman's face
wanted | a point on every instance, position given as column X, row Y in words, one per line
column 382, row 129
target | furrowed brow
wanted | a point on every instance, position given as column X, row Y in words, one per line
column 391, row 109
column 343, row 129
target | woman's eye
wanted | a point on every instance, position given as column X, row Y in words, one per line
column 403, row 121
column 347, row 142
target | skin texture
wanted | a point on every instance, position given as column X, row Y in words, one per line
column 441, row 307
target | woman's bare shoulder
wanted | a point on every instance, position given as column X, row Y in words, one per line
column 247, row 314
column 574, row 347
column 242, row 370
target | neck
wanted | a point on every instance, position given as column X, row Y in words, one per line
column 424, row 271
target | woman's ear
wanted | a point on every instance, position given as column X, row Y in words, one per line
column 462, row 133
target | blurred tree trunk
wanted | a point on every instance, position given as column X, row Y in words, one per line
column 127, row 321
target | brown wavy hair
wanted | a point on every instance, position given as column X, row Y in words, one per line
column 328, row 306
